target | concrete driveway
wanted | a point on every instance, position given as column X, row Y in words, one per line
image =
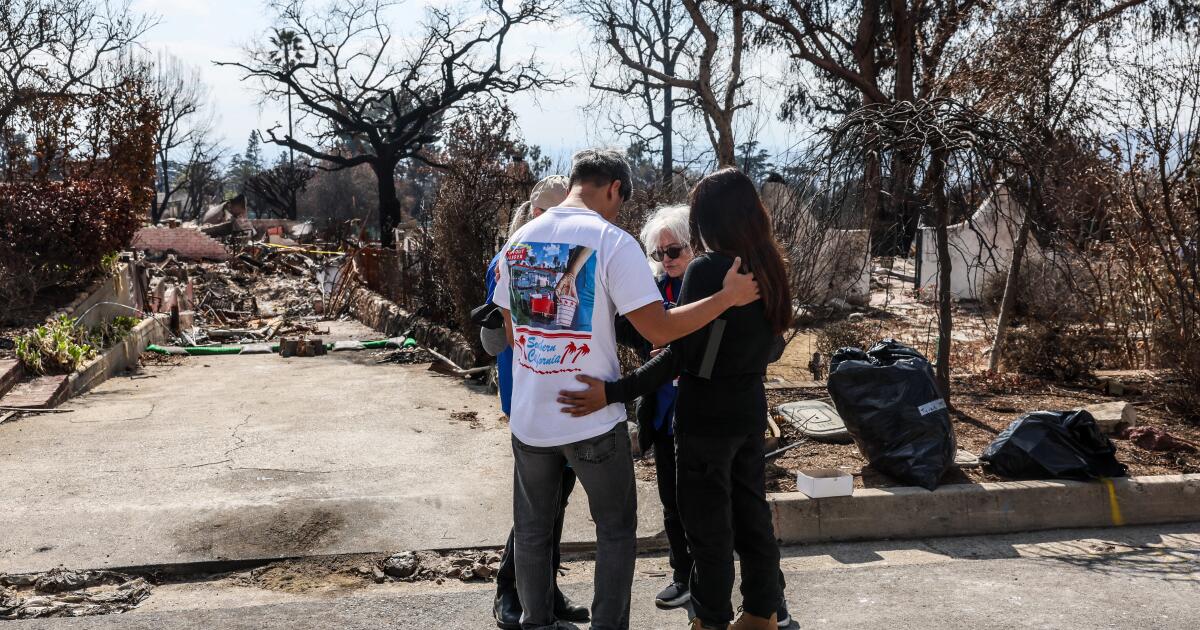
column 242, row 457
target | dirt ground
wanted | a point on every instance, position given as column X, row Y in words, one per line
column 981, row 411
column 17, row 319
column 983, row 407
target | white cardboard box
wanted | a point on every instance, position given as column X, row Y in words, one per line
column 819, row 483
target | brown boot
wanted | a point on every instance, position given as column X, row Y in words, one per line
column 699, row 625
column 751, row 622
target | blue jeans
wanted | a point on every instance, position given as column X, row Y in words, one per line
column 604, row 466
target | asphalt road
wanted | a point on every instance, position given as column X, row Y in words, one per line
column 1147, row 577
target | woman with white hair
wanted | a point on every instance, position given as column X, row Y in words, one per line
column 666, row 238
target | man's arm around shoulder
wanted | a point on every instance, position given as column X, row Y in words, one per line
column 661, row 326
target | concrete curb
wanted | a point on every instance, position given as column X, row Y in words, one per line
column 987, row 508
column 117, row 358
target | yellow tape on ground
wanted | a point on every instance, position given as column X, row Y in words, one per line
column 1113, row 505
column 299, row 249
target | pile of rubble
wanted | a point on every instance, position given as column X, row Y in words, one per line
column 414, row 566
column 65, row 593
column 261, row 294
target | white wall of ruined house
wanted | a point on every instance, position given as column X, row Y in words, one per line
column 980, row 247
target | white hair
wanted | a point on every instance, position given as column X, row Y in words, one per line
column 670, row 219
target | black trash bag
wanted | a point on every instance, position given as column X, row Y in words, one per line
column 1053, row 445
column 890, row 402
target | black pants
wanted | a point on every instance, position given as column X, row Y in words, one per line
column 664, row 465
column 723, row 502
column 506, row 576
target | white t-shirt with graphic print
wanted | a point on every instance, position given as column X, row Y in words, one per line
column 564, row 277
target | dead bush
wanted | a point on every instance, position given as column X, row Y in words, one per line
column 486, row 174
column 1045, row 291
column 1181, row 356
column 1155, row 223
column 847, row 334
column 1055, row 351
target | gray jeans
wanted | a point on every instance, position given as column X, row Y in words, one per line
column 605, row 468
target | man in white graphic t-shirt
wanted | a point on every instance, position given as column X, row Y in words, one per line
column 563, row 279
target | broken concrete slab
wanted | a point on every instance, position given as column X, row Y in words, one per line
column 1113, row 417
column 966, row 459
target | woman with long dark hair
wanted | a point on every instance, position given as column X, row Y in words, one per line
column 721, row 411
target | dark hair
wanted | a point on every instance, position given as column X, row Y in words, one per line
column 729, row 217
column 601, row 167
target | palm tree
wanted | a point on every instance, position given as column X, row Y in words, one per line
column 289, row 49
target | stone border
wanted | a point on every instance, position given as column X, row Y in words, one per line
column 986, row 508
column 386, row 316
column 119, row 357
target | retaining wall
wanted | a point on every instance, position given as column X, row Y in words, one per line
column 383, row 315
column 119, row 357
column 123, row 288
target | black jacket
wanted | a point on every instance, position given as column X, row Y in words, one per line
column 720, row 366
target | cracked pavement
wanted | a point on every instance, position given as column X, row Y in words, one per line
column 1134, row 577
column 257, row 456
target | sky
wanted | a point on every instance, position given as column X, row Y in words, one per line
column 200, row 31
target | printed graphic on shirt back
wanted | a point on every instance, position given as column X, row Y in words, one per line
column 552, row 289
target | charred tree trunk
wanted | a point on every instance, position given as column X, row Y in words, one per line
column 668, row 130
column 389, row 203
column 941, row 213
column 157, row 208
column 1011, row 288
column 726, row 151
column 872, row 197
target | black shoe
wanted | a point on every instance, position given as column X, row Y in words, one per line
column 507, row 609
column 781, row 615
column 566, row 610
column 675, row 595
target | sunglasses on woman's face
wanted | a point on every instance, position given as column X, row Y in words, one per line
column 671, row 252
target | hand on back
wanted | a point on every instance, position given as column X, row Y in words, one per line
column 742, row 287
column 583, row 402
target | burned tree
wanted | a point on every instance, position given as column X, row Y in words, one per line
column 359, row 84
column 203, row 183
column 652, row 34
column 712, row 77
column 185, row 124
column 277, row 188
column 487, row 173
column 949, row 143
column 878, row 52
column 59, row 48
